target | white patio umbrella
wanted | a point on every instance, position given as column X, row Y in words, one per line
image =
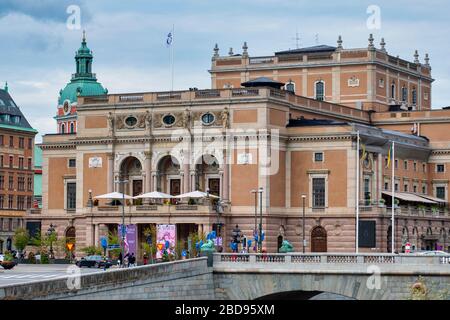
column 114, row 195
column 196, row 194
column 154, row 195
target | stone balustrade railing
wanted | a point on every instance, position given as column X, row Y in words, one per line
column 327, row 258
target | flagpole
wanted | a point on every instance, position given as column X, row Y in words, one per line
column 393, row 199
column 357, row 191
column 171, row 51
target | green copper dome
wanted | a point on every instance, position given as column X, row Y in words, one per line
column 83, row 82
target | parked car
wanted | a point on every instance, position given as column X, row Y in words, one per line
column 94, row 261
column 2, row 257
column 434, row 253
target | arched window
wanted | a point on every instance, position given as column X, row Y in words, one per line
column 63, row 128
column 414, row 96
column 404, row 94
column 78, row 66
column 393, row 91
column 72, row 128
column 88, row 67
column 320, row 90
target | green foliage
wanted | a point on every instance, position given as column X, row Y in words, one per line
column 21, row 238
column 8, row 256
column 194, row 239
column 179, row 246
column 113, row 238
column 92, row 250
column 44, row 258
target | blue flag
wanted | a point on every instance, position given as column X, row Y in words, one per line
column 169, row 39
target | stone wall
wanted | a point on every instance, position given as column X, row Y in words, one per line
column 188, row 279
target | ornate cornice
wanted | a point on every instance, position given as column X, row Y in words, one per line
column 346, row 137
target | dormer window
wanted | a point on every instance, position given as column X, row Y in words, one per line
column 290, row 86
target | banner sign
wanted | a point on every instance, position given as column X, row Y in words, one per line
column 130, row 238
column 165, row 233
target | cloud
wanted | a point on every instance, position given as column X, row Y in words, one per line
column 47, row 10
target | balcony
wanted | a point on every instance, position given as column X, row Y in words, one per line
column 152, row 210
column 407, row 211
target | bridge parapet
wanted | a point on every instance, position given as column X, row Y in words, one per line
column 330, row 262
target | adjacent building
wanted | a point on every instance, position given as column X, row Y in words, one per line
column 269, row 124
column 16, row 168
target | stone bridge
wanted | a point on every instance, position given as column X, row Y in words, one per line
column 254, row 276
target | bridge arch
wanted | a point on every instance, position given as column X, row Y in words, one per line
column 297, row 286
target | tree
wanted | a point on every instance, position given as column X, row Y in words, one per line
column 113, row 238
column 21, row 239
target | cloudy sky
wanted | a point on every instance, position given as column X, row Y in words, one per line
column 128, row 40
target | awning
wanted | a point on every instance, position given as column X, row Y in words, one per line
column 409, row 197
column 432, row 198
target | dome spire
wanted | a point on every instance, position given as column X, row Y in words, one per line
column 84, row 36
column 6, row 86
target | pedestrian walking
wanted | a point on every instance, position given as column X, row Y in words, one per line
column 145, row 258
column 119, row 261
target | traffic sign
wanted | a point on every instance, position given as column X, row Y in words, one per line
column 408, row 247
column 114, row 246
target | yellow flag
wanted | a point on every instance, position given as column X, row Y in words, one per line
column 364, row 153
column 389, row 158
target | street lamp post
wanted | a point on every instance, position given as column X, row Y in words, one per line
column 122, row 229
column 303, row 224
column 255, row 231
column 50, row 232
column 260, row 191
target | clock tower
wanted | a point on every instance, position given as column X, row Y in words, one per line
column 83, row 83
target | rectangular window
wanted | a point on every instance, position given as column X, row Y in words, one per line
column 318, row 192
column 415, row 189
column 440, row 192
column 21, row 142
column 10, row 201
column 21, row 183
column 30, row 143
column 20, row 202
column 11, row 141
column 20, row 163
column 1, row 140
column 396, row 187
column 71, row 196
column 1, row 161
column 30, row 183
column 72, row 163
column 424, row 167
column 424, row 189
column 318, row 156
column 11, row 183
column 367, row 191
column 396, row 164
column 440, row 168
column 11, row 161
column 386, row 162
column 2, row 182
column 386, row 186
column 405, row 188
column 405, row 164
column 28, row 202
column 415, row 166
column 367, row 234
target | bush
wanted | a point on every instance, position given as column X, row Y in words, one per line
column 44, row 258
column 92, row 250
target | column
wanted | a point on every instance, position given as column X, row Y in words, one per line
column 110, row 186
column 148, row 175
column 225, row 182
column 192, row 172
column 154, row 178
column 96, row 237
column 186, row 173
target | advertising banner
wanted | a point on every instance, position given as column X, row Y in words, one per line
column 165, row 235
column 130, row 238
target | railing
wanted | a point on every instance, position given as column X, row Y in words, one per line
column 131, row 98
column 205, row 94
column 169, row 96
column 244, row 92
column 329, row 259
column 152, row 208
column 259, row 60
